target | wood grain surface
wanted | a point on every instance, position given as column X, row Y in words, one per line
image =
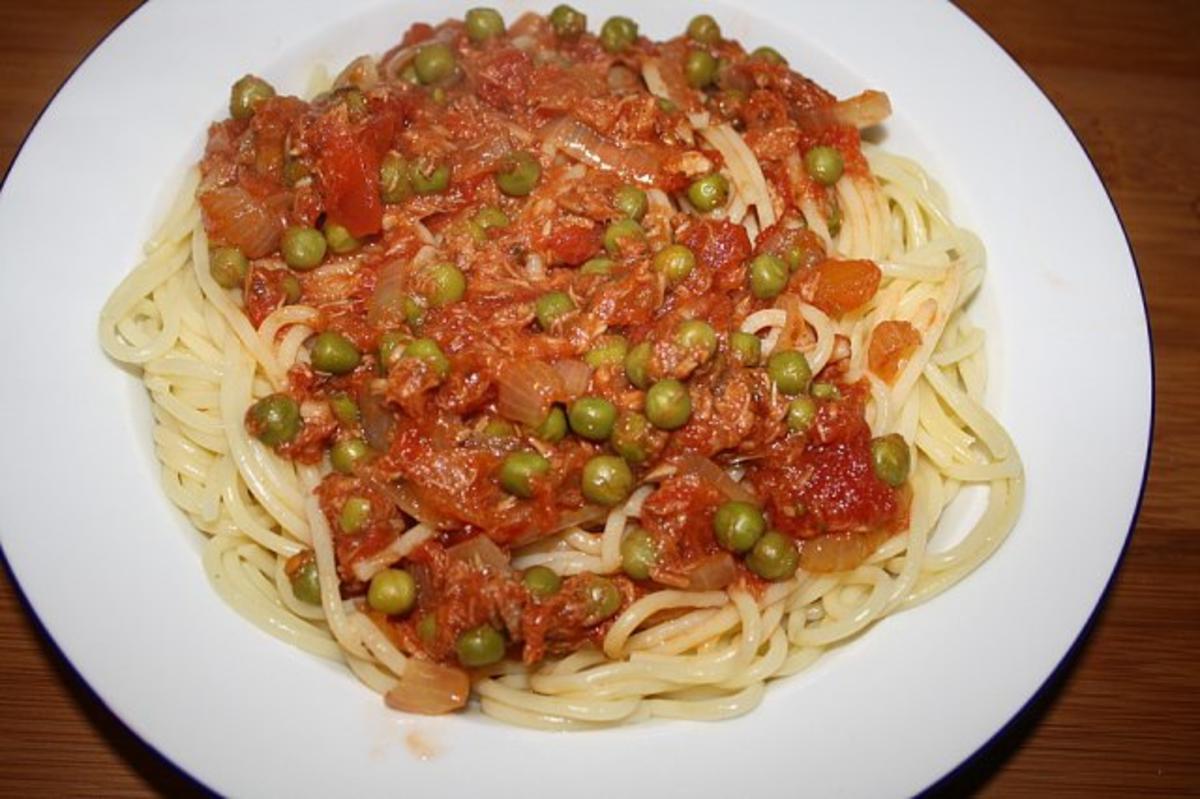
column 1122, row 717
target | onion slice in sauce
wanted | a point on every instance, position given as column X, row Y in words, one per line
column 376, row 421
column 429, row 688
column 838, row 552
column 575, row 377
column 711, row 573
column 481, row 551
column 526, row 389
column 587, row 146
column 714, row 475
column 860, row 111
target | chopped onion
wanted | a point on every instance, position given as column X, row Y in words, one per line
column 714, row 475
column 237, row 218
column 429, row 688
column 377, row 422
column 404, row 499
column 361, row 73
column 836, row 552
column 575, row 377
column 860, row 111
column 711, row 573
column 386, row 306
column 584, row 144
column 526, row 389
column 482, row 551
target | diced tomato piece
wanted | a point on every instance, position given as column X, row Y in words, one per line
column 572, row 241
column 892, row 342
column 839, row 287
column 348, row 170
column 721, row 247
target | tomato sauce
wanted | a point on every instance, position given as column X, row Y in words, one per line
column 439, row 285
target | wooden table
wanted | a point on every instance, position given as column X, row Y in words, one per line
column 1123, row 716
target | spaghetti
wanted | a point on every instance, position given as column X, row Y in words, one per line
column 516, row 422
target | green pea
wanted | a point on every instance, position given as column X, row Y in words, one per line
column 617, row 234
column 306, row 583
column 834, row 220
column 390, row 343
column 637, row 365
column 675, row 261
column 434, row 62
column 597, row 266
column 709, row 193
column 768, row 276
column 409, row 75
column 339, row 239
column 291, row 289
column 774, row 557
column 704, row 29
column 427, row 350
column 608, row 351
column 826, row 391
column 824, row 165
column 592, row 418
column 429, row 178
column 639, row 553
column 618, row 33
column 303, row 247
column 480, row 646
column 738, row 526
column 789, row 370
column 518, row 471
column 414, row 311
column 631, row 202
column 769, row 55
column 345, row 409
column 355, row 513
column 246, row 94
column 228, row 267
column 552, row 306
column 334, row 354
column 484, row 24
column 554, row 427
column 447, row 284
column 567, row 22
column 746, row 347
column 345, row 454
column 603, row 598
column 491, row 217
column 630, row 437
column 696, row 334
column 699, row 68
column 276, row 419
column 801, row 413
column 519, row 173
column 668, row 405
column 392, row 591
column 395, row 181
column 891, row 459
column 606, row 480
column 427, row 628
column 541, row 581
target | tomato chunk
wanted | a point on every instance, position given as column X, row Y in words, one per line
column 892, row 342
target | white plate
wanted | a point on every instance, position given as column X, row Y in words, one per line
column 113, row 572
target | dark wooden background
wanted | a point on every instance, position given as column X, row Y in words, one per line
column 1123, row 716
